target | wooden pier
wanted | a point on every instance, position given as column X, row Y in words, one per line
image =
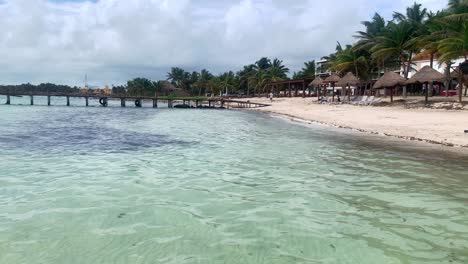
column 172, row 102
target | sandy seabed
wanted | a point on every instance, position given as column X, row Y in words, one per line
column 443, row 127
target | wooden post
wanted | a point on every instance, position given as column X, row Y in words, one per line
column 460, row 84
column 303, row 88
column 8, row 99
column 155, row 103
column 391, row 95
column 196, row 103
column 48, row 100
column 87, row 101
column 122, row 102
column 426, row 99
column 68, row 100
column 295, row 90
column 32, row 100
column 333, row 91
column 289, row 90
column 349, row 93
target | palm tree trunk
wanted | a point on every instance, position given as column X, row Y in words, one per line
column 448, row 78
column 408, row 67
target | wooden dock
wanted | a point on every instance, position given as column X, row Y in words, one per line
column 172, row 102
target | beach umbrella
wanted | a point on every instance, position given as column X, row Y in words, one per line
column 390, row 80
column 318, row 81
column 348, row 80
column 333, row 79
column 426, row 75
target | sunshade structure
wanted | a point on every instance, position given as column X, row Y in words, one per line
column 390, row 80
column 317, row 82
column 427, row 75
column 332, row 80
column 348, row 80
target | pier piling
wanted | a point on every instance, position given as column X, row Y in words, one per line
column 32, row 100
column 87, row 101
column 48, row 100
column 155, row 103
column 8, row 100
column 122, row 102
column 68, row 100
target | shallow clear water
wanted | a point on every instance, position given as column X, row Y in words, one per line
column 112, row 185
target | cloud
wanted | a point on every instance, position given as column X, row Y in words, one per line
column 115, row 40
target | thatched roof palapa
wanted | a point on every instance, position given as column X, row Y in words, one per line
column 317, row 81
column 426, row 75
column 333, row 78
column 349, row 79
column 389, row 79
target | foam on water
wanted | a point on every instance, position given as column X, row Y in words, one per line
column 96, row 185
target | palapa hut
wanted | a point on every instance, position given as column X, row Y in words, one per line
column 333, row 79
column 390, row 80
column 348, row 80
column 427, row 75
column 317, row 82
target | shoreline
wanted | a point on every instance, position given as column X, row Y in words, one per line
column 288, row 109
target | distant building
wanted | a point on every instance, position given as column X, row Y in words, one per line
column 321, row 69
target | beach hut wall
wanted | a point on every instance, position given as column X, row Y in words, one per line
column 426, row 75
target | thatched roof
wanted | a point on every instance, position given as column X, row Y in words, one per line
column 333, row 78
column 426, row 75
column 348, row 79
column 389, row 79
column 317, row 81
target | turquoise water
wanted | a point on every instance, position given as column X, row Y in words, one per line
column 112, row 185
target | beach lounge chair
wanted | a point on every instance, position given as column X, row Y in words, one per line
column 356, row 99
column 375, row 101
column 368, row 101
column 363, row 99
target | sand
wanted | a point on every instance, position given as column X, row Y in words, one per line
column 434, row 126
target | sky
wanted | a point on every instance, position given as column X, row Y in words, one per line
column 113, row 41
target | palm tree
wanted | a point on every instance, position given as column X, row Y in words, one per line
column 308, row 71
column 415, row 17
column 455, row 42
column 177, row 76
column 247, row 77
column 394, row 42
column 350, row 60
column 203, row 81
column 263, row 64
column 277, row 71
column 368, row 38
column 458, row 9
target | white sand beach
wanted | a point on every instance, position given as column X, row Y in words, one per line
column 435, row 126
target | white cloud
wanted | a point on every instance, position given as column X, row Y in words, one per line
column 114, row 40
